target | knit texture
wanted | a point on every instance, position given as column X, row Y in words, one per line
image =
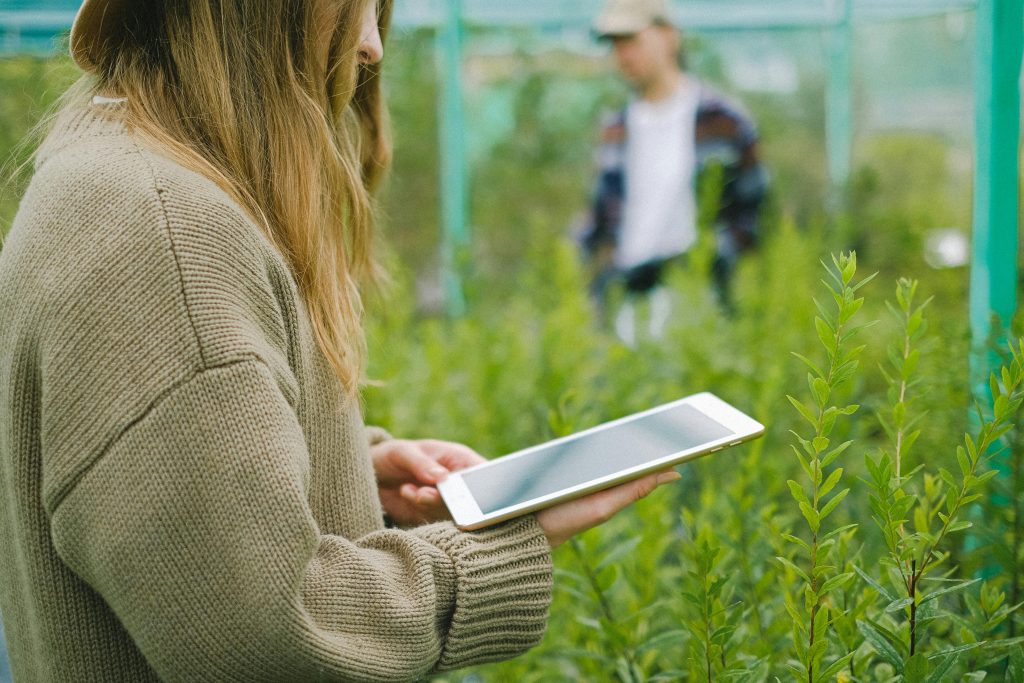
column 186, row 492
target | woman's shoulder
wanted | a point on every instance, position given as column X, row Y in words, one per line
column 124, row 275
column 91, row 169
column 108, row 219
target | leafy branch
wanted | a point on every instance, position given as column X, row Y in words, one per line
column 711, row 616
column 815, row 455
column 916, row 554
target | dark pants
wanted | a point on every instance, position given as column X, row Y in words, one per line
column 645, row 277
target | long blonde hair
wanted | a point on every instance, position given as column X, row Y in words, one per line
column 250, row 95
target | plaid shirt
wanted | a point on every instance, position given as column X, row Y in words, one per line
column 725, row 135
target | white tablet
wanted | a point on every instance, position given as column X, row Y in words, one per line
column 595, row 459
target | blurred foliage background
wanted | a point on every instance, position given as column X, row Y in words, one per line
column 530, row 362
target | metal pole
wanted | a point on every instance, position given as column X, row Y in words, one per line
column 993, row 292
column 839, row 104
column 454, row 177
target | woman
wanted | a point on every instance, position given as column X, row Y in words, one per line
column 189, row 490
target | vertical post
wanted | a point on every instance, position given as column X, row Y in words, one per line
column 993, row 294
column 839, row 98
column 455, row 238
column 993, row 287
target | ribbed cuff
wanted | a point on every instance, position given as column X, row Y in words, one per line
column 376, row 435
column 502, row 593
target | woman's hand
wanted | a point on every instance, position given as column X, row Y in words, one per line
column 563, row 521
column 408, row 472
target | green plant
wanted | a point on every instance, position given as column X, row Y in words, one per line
column 816, row 454
column 915, row 520
column 711, row 616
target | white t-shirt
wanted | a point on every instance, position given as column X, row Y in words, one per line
column 660, row 212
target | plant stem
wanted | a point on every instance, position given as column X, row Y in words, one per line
column 1016, row 542
column 814, row 587
column 900, row 435
column 602, row 601
column 985, row 441
column 903, row 395
column 816, row 468
column 707, row 627
column 913, row 607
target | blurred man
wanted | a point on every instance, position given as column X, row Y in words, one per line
column 652, row 152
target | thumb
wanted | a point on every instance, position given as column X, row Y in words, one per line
column 644, row 486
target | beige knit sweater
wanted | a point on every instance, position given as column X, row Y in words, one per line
column 184, row 493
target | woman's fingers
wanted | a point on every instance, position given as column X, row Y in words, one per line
column 410, row 458
column 610, row 501
column 565, row 520
column 427, row 461
column 454, row 456
column 420, row 495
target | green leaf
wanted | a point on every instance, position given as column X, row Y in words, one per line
column 874, row 584
column 835, row 532
column 826, row 335
column 800, row 542
column 851, row 310
column 804, row 464
column 722, row 634
column 849, row 268
column 1015, row 671
column 947, row 477
column 829, row 457
column 961, row 458
column 799, row 495
column 910, row 439
column 831, row 482
column 620, row 551
column 958, row 650
column 799, row 572
column 661, row 639
column 812, row 516
column 814, row 368
column 821, row 390
column 607, row 577
column 835, row 582
column 835, row 667
column 881, row 644
column 899, row 414
column 803, row 410
column 946, row 591
column 897, row 605
column 916, row 669
column 938, row 673
column 831, row 505
column 589, row 622
column 627, row 672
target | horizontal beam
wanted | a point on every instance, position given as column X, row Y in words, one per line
column 696, row 15
column 36, row 20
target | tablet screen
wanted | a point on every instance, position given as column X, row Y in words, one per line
column 591, row 456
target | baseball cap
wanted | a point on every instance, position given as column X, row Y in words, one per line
column 626, row 17
column 95, row 21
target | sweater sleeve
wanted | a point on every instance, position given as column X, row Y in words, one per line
column 194, row 527
column 376, row 435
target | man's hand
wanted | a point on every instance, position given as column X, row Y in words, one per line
column 408, row 472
